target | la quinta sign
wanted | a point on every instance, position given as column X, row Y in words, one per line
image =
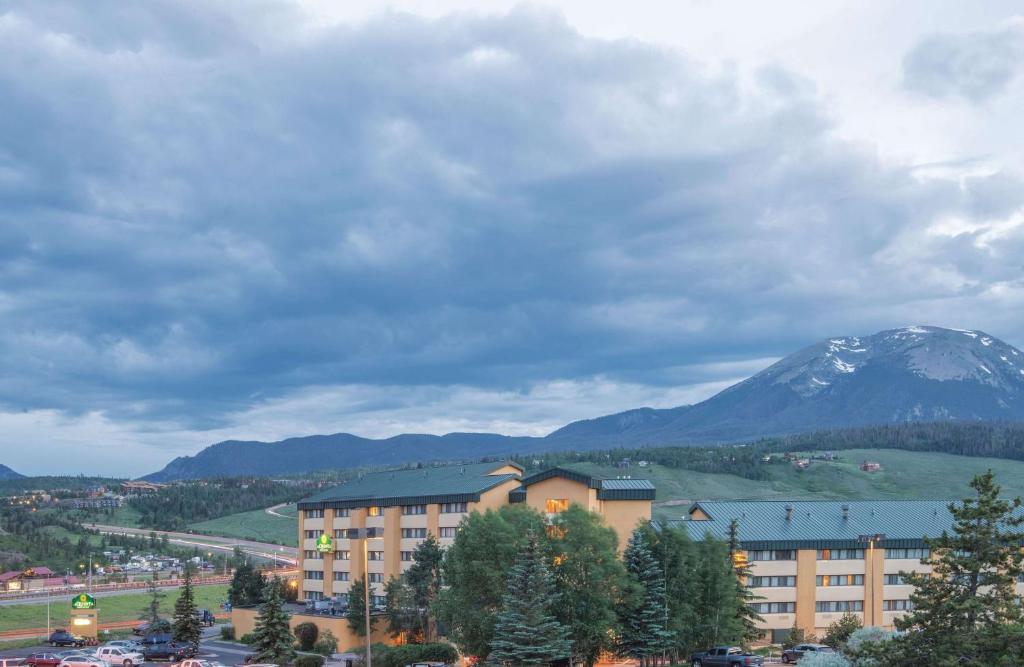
column 83, row 601
column 324, row 543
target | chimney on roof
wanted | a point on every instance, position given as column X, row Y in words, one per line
column 462, row 470
column 846, row 512
column 789, row 512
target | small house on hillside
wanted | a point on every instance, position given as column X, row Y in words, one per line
column 870, row 466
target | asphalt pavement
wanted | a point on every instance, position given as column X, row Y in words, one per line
column 210, row 648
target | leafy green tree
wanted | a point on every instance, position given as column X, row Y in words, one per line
column 839, row 631
column 423, row 581
column 745, row 614
column 357, row 607
column 307, row 634
column 248, row 586
column 526, row 632
column 398, row 609
column 966, row 611
column 643, row 614
column 186, row 628
column 590, row 580
column 715, row 596
column 272, row 636
column 476, row 568
column 151, row 612
column 677, row 554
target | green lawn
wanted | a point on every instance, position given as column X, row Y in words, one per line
column 112, row 608
column 256, row 525
column 904, row 475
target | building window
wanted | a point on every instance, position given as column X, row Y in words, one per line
column 342, row 555
column 907, row 554
column 840, row 580
column 376, row 577
column 310, row 554
column 447, row 531
column 375, row 555
column 773, row 607
column 454, row 508
column 342, row 513
column 316, row 596
column 314, row 514
column 894, row 580
column 839, row 605
column 373, row 511
column 840, row 554
column 406, row 558
column 784, row 554
column 897, row 605
column 771, row 582
column 378, row 601
column 313, row 534
column 414, row 509
column 413, row 533
column 556, row 505
column 315, row 575
column 341, row 576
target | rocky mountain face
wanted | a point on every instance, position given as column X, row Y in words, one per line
column 917, row 373
column 7, row 473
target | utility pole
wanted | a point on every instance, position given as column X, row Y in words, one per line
column 90, row 574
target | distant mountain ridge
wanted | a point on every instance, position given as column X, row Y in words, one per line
column 6, row 473
column 914, row 374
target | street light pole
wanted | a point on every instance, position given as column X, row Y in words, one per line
column 366, row 597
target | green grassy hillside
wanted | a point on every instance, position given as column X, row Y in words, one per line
column 904, row 475
column 256, row 525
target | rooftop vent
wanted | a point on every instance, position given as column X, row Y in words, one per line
column 846, row 512
column 789, row 512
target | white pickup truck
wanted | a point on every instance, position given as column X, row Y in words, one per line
column 119, row 656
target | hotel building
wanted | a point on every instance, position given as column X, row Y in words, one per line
column 402, row 507
column 813, row 561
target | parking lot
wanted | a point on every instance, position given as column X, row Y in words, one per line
column 210, row 648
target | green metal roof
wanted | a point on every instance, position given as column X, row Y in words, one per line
column 820, row 524
column 454, row 483
column 607, row 489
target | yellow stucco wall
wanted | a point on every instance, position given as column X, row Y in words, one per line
column 624, row 515
column 244, row 621
column 559, row 488
column 806, row 591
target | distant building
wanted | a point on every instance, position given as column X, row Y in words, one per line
column 33, row 578
column 870, row 466
column 140, row 488
column 800, row 464
column 102, row 502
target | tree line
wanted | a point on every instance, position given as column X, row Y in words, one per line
column 176, row 506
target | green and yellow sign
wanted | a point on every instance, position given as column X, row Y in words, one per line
column 324, row 543
column 83, row 601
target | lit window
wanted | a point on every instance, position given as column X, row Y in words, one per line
column 556, row 505
column 373, row 511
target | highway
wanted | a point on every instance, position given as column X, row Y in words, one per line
column 263, row 550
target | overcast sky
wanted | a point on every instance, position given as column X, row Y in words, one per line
column 268, row 219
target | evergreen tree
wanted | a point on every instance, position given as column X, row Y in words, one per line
column 248, row 586
column 839, row 631
column 644, row 614
column 966, row 611
column 272, row 636
column 357, row 607
column 423, row 581
column 745, row 614
column 715, row 600
column 590, row 579
column 476, row 568
column 677, row 555
column 151, row 612
column 526, row 632
column 186, row 628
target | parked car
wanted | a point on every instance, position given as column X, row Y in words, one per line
column 142, row 629
column 42, row 660
column 800, row 650
column 74, row 653
column 726, row 656
column 171, row 651
column 11, row 662
column 157, row 638
column 130, row 644
column 205, row 617
column 81, row 661
column 65, row 638
column 119, row 655
column 197, row 663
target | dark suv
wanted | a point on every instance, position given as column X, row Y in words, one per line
column 65, row 638
column 171, row 651
column 800, row 650
column 726, row 656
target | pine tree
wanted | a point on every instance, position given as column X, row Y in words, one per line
column 151, row 612
column 526, row 631
column 644, row 618
column 966, row 610
column 677, row 555
column 186, row 627
column 357, row 607
column 272, row 636
column 423, row 580
column 745, row 614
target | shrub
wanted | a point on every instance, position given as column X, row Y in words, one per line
column 824, row 660
column 247, row 638
column 797, row 636
column 307, row 634
column 309, row 661
column 227, row 632
column 327, row 644
column 841, row 630
column 407, row 654
column 867, row 644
